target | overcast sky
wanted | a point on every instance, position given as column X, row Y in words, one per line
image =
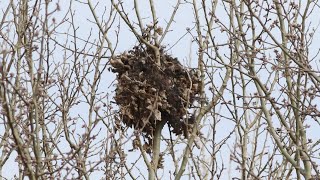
column 183, row 47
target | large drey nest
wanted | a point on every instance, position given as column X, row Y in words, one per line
column 148, row 93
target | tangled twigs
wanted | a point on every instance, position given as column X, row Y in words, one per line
column 148, row 93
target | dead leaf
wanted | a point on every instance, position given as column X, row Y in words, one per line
column 150, row 107
column 157, row 114
column 117, row 63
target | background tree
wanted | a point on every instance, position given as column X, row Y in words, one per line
column 256, row 115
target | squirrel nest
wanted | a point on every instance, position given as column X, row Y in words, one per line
column 148, row 93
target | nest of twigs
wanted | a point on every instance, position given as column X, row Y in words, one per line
column 148, row 93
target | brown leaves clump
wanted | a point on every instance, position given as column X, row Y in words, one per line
column 148, row 93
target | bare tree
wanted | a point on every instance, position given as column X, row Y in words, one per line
column 93, row 89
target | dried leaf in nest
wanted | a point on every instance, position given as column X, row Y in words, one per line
column 157, row 114
column 148, row 93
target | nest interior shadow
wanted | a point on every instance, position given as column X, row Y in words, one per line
column 148, row 93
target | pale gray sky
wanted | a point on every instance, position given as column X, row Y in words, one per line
column 183, row 50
